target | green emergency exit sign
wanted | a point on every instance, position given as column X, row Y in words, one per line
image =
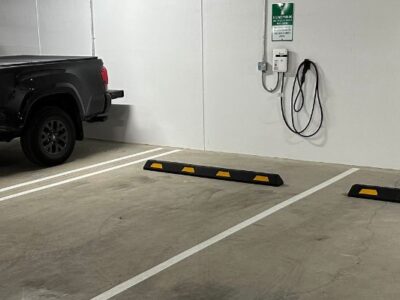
column 282, row 21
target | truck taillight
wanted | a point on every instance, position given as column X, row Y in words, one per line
column 104, row 76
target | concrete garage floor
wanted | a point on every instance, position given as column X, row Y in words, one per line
column 81, row 238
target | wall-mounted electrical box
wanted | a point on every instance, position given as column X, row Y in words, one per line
column 280, row 60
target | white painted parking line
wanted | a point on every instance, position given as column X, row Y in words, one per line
column 183, row 255
column 45, row 187
column 16, row 186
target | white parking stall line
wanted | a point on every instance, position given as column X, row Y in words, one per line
column 45, row 187
column 16, row 186
column 217, row 238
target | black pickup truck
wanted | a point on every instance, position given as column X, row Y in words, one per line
column 45, row 99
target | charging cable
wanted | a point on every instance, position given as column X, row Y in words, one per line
column 264, row 82
column 297, row 102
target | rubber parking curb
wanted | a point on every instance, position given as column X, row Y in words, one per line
column 214, row 173
column 375, row 193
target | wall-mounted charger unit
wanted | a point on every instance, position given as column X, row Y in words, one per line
column 280, row 60
column 279, row 66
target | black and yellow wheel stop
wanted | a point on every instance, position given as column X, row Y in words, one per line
column 375, row 193
column 214, row 172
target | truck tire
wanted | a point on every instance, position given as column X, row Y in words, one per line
column 48, row 138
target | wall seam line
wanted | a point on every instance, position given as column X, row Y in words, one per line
column 38, row 27
column 203, row 73
column 92, row 29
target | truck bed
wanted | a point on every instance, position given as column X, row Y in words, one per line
column 26, row 60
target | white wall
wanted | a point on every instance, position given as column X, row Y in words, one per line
column 347, row 40
column 163, row 84
column 65, row 27
column 153, row 49
column 48, row 27
column 18, row 27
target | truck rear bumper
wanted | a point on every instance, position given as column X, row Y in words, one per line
column 114, row 94
column 110, row 95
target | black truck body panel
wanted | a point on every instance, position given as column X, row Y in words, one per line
column 26, row 80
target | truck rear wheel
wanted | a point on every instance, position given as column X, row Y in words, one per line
column 49, row 137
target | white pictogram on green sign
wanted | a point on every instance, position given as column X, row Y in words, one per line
column 282, row 21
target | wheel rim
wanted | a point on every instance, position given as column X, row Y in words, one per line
column 54, row 138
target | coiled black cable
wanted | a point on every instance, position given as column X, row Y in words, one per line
column 297, row 103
